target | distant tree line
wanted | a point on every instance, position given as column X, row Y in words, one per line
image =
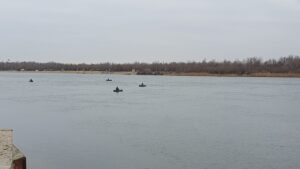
column 289, row 64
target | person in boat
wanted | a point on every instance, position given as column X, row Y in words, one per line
column 117, row 90
column 142, row 85
column 30, row 80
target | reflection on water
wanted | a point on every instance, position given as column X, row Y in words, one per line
column 76, row 121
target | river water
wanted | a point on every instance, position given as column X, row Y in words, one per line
column 75, row 121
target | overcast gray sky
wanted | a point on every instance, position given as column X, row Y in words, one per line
column 147, row 30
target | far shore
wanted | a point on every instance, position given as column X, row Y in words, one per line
column 262, row 74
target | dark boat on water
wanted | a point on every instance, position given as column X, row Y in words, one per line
column 117, row 90
column 108, row 80
column 30, row 80
column 142, row 85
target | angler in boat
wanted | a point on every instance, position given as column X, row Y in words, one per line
column 142, row 85
column 117, row 90
column 30, row 80
column 108, row 79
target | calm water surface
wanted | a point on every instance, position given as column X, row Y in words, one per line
column 75, row 121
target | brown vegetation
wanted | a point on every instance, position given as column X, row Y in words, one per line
column 250, row 67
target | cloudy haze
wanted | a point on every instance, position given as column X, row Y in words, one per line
column 147, row 30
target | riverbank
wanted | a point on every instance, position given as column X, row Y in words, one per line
column 74, row 72
column 262, row 74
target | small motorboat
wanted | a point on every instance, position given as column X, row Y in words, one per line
column 31, row 81
column 117, row 90
column 142, row 85
column 108, row 80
